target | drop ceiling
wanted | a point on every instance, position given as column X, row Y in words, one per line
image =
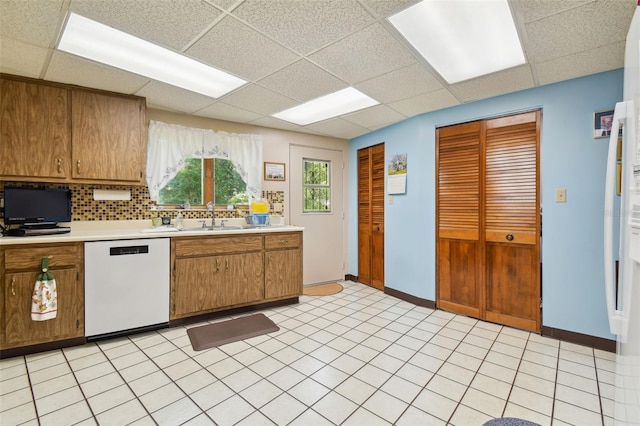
column 292, row 51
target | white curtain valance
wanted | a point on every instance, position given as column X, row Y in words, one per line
column 171, row 144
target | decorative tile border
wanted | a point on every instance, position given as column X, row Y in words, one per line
column 85, row 208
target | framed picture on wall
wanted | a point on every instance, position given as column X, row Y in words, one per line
column 602, row 121
column 274, row 171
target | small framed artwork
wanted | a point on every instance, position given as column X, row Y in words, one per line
column 274, row 171
column 602, row 121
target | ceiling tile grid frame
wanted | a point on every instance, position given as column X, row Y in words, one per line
column 291, row 51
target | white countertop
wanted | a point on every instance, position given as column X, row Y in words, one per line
column 135, row 229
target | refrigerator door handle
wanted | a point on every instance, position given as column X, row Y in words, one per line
column 616, row 317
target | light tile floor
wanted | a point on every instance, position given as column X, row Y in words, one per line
column 359, row 357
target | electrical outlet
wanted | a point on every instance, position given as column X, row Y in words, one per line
column 561, row 195
column 277, row 207
column 390, row 199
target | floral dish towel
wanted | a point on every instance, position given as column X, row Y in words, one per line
column 44, row 302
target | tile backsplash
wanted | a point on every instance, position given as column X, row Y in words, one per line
column 84, row 207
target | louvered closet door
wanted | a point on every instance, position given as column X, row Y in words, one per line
column 458, row 205
column 371, row 216
column 512, row 224
column 377, row 217
column 364, row 216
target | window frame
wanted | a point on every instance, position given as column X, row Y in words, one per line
column 306, row 186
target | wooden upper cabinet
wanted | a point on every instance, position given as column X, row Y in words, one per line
column 54, row 132
column 35, row 140
column 108, row 137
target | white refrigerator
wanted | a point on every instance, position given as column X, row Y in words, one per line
column 623, row 299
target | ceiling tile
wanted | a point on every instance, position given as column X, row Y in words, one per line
column 400, row 84
column 581, row 64
column 275, row 123
column 302, row 81
column 578, row 30
column 374, row 117
column 222, row 4
column 427, row 102
column 533, row 10
column 304, row 26
column 368, row 53
column 150, row 19
column 338, row 128
column 258, row 99
column 511, row 80
column 33, row 22
column 384, row 8
column 172, row 97
column 227, row 112
column 236, row 48
column 17, row 57
column 66, row 68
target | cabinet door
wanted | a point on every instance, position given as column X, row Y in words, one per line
column 198, row 283
column 108, row 137
column 283, row 273
column 207, row 283
column 246, row 272
column 35, row 130
column 69, row 321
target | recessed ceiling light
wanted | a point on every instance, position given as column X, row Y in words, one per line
column 462, row 39
column 93, row 40
column 328, row 106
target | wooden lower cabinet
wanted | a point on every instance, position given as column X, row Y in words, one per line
column 22, row 266
column 221, row 272
column 211, row 282
column 283, row 274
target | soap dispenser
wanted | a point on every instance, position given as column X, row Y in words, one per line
column 179, row 221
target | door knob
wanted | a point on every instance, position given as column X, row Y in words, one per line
column 509, row 237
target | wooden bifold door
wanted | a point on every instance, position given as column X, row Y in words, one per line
column 371, row 216
column 488, row 222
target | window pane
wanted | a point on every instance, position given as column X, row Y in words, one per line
column 229, row 186
column 186, row 185
column 316, row 186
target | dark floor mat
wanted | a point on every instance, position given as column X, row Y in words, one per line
column 220, row 333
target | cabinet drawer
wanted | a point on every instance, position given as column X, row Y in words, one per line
column 217, row 245
column 31, row 257
column 278, row 241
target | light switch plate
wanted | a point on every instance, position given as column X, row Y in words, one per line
column 277, row 207
column 561, row 195
column 390, row 199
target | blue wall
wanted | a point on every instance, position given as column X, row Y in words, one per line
column 572, row 249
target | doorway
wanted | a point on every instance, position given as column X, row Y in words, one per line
column 487, row 221
column 371, row 216
column 317, row 205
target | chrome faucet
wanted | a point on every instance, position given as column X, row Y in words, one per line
column 213, row 216
column 223, row 222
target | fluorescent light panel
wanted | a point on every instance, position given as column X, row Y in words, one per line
column 93, row 40
column 341, row 102
column 462, row 39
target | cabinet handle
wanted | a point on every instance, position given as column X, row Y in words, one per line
column 268, row 259
column 59, row 162
column 509, row 237
column 226, row 268
column 13, row 283
column 217, row 265
column 78, row 166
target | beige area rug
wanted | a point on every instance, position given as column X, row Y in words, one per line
column 322, row 289
column 220, row 333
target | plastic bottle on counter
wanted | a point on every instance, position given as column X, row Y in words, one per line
column 179, row 221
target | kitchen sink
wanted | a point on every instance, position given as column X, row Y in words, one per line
column 213, row 229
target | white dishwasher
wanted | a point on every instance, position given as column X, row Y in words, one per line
column 126, row 286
